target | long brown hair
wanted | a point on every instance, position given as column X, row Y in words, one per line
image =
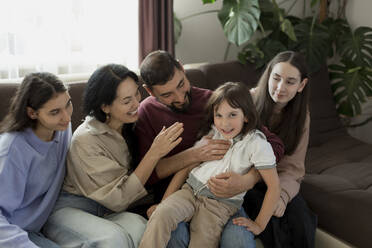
column 294, row 114
column 35, row 90
column 237, row 96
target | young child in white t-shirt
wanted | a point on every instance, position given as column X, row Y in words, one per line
column 231, row 115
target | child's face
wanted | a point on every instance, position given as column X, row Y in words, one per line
column 55, row 114
column 228, row 121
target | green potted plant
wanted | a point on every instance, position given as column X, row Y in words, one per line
column 323, row 36
column 320, row 38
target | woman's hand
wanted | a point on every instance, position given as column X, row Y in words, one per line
column 166, row 140
column 249, row 224
column 280, row 208
column 151, row 210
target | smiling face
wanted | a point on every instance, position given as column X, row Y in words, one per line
column 284, row 83
column 54, row 115
column 175, row 94
column 124, row 109
column 229, row 121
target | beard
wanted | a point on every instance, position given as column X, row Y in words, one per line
column 184, row 106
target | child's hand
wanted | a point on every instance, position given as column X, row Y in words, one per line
column 249, row 224
column 151, row 210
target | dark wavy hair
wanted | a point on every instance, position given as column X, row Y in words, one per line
column 292, row 124
column 35, row 90
column 158, row 68
column 237, row 95
column 101, row 88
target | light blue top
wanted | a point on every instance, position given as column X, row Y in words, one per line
column 31, row 175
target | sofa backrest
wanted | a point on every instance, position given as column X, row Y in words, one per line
column 76, row 90
column 324, row 119
column 233, row 71
column 7, row 91
column 325, row 122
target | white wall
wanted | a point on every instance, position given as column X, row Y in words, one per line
column 202, row 40
column 358, row 13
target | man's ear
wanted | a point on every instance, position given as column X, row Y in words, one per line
column 148, row 90
column 303, row 84
column 31, row 113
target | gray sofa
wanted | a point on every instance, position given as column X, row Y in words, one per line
column 338, row 181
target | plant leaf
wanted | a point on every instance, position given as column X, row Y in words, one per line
column 313, row 3
column 312, row 40
column 266, row 5
column 208, row 1
column 287, row 28
column 351, row 85
column 336, row 29
column 357, row 46
column 270, row 48
column 250, row 53
column 239, row 19
column 262, row 52
column 270, row 14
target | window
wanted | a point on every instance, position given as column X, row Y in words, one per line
column 69, row 38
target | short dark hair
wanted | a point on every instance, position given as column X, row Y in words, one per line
column 291, row 127
column 35, row 90
column 101, row 88
column 237, row 95
column 158, row 68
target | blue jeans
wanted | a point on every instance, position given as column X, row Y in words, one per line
column 41, row 241
column 232, row 236
column 81, row 222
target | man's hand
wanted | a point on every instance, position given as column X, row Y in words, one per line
column 151, row 210
column 208, row 149
column 280, row 208
column 249, row 224
column 228, row 184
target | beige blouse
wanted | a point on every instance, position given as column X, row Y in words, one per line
column 98, row 167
